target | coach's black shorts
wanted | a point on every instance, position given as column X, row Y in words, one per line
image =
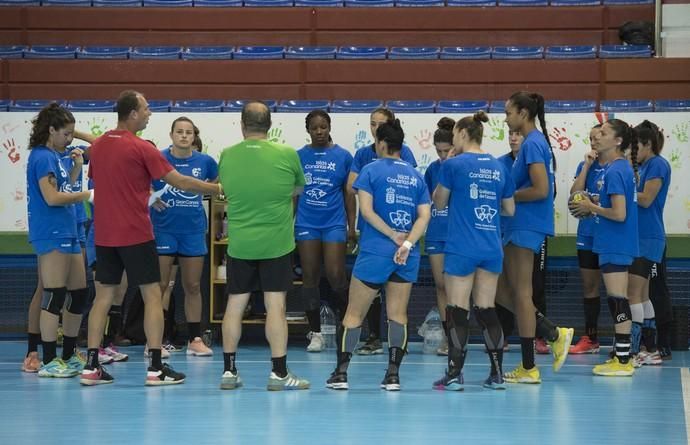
column 140, row 261
column 268, row 275
column 588, row 259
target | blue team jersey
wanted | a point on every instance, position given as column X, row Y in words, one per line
column 594, row 182
column 397, row 189
column 612, row 237
column 366, row 155
column 322, row 204
column 45, row 221
column 651, row 219
column 68, row 163
column 506, row 162
column 477, row 184
column 533, row 216
column 438, row 226
column 185, row 212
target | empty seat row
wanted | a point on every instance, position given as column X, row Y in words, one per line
column 314, row 3
column 363, row 106
column 325, row 52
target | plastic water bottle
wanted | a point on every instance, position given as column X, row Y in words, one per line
column 328, row 326
column 433, row 336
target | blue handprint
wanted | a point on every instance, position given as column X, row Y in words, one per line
column 361, row 139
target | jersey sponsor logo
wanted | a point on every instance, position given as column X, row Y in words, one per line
column 321, row 165
column 390, row 195
column 487, row 174
column 308, row 179
column 435, row 213
column 407, row 180
column 400, row 218
column 474, row 191
column 196, row 172
column 485, row 213
column 316, row 193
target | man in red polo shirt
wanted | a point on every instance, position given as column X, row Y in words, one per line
column 122, row 167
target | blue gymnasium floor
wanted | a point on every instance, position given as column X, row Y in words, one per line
column 571, row 407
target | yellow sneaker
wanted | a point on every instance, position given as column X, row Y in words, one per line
column 522, row 375
column 561, row 347
column 614, row 368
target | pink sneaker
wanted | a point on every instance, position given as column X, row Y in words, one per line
column 198, row 348
column 31, row 362
column 585, row 345
column 540, row 346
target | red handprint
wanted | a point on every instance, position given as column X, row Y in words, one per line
column 12, row 151
column 563, row 141
column 424, row 139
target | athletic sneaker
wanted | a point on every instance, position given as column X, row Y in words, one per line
column 122, row 342
column 561, row 347
column 76, row 362
column 522, row 375
column 450, row 383
column 665, row 353
column 171, row 347
column 198, row 348
column 391, row 382
column 115, row 354
column 230, row 380
column 495, row 381
column 164, row 376
column 585, row 345
column 370, row 347
column 164, row 352
column 443, row 347
column 316, row 342
column 540, row 346
column 97, row 376
column 290, row 381
column 613, row 368
column 648, row 358
column 103, row 357
column 337, row 380
column 57, row 368
column 31, row 362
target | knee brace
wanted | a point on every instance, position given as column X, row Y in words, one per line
column 458, row 320
column 397, row 335
column 491, row 327
column 53, row 299
column 620, row 309
column 76, row 301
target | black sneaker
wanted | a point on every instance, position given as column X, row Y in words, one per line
column 164, row 376
column 370, row 347
column 391, row 382
column 338, row 380
column 665, row 353
column 96, row 376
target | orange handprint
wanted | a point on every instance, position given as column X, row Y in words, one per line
column 12, row 151
column 563, row 141
column 424, row 139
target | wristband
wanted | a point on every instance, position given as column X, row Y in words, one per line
column 407, row 244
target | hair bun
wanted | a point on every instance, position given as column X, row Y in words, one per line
column 446, row 123
column 480, row 116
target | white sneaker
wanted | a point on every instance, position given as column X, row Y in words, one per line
column 197, row 348
column 116, row 355
column 164, row 352
column 317, row 342
column 104, row 358
column 647, row 358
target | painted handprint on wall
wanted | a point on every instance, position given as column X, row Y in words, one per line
column 497, row 127
column 361, row 139
column 12, row 151
column 562, row 140
column 275, row 134
column 424, row 139
column 680, row 131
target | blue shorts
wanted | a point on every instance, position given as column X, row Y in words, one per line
column 584, row 242
column 652, row 249
column 461, row 265
column 618, row 260
column 434, row 247
column 185, row 244
column 327, row 235
column 377, row 269
column 63, row 245
column 525, row 239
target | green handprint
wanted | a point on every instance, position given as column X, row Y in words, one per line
column 681, row 132
column 276, row 135
column 96, row 126
column 676, row 159
column 498, row 132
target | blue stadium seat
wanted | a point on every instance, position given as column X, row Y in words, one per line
column 518, row 52
column 235, row 106
column 197, row 106
column 570, row 106
column 411, row 106
column 66, row 3
column 30, row 104
column 355, row 106
column 91, row 105
column 461, row 106
column 310, row 52
column 624, row 51
column 523, row 3
column 4, row 104
column 628, row 2
column 672, row 105
column 626, row 105
column 259, row 52
column 419, row 3
column 50, row 52
column 575, row 2
column 117, row 3
column 208, row 52
column 571, row 52
column 369, row 3
column 217, row 3
column 302, row 106
column 160, row 106
column 472, row 3
column 414, row 52
column 267, row 3
column 20, row 3
column 320, row 3
column 497, row 106
column 361, row 52
column 168, row 3
column 103, row 52
column 12, row 52
column 466, row 52
column 155, row 52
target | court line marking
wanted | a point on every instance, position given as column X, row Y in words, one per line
column 685, row 383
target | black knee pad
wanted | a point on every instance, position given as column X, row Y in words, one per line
column 53, row 299
column 620, row 309
column 76, row 303
column 486, row 316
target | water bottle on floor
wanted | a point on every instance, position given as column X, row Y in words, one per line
column 432, row 331
column 328, row 326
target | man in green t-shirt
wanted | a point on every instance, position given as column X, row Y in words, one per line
column 260, row 179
